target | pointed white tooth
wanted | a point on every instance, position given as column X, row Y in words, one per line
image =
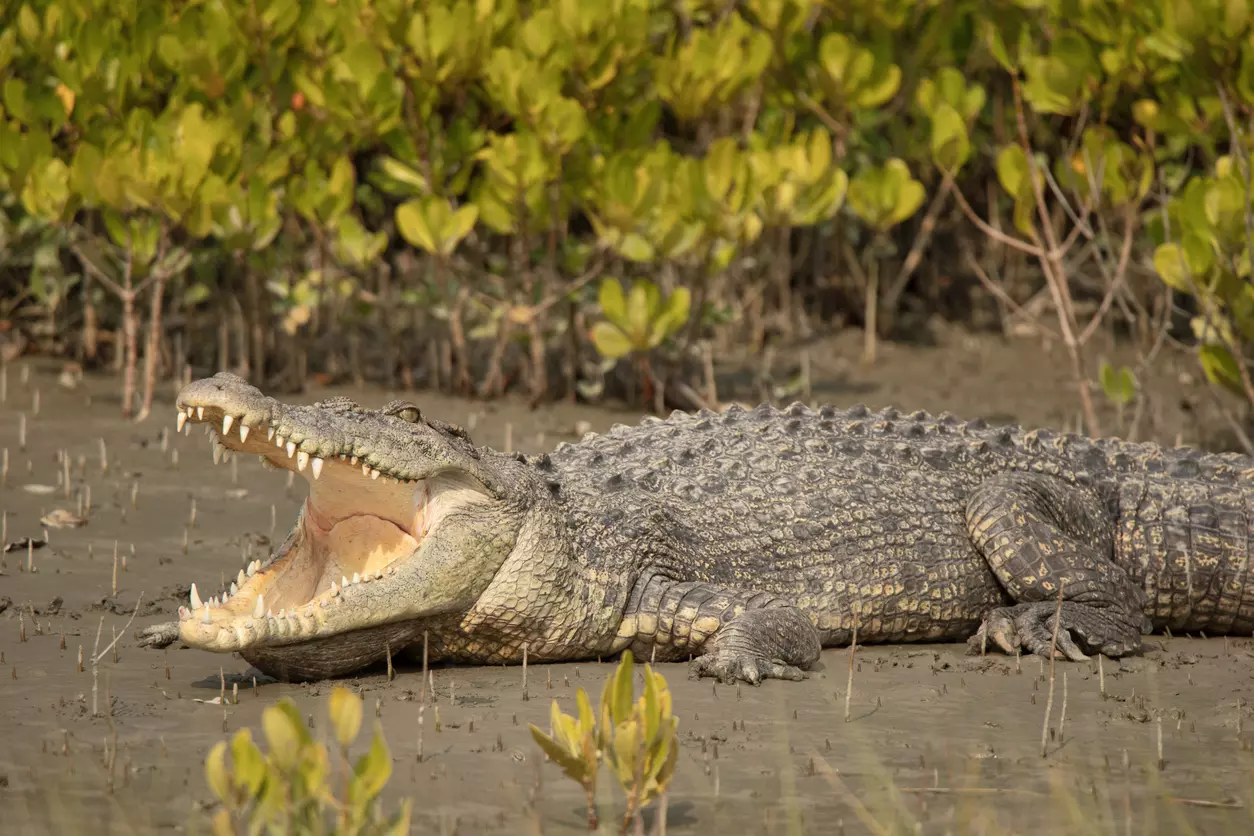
column 356, row 577
column 181, row 421
column 302, row 461
column 195, row 596
column 251, row 570
column 204, row 616
column 269, row 433
column 187, row 430
column 218, row 450
column 317, row 467
column 234, row 589
column 260, row 608
column 240, row 579
column 374, row 474
column 243, row 433
column 269, row 613
column 227, row 421
column 345, row 581
column 365, row 470
column 378, row 574
column 200, row 413
column 291, row 449
column 279, row 441
column 335, row 590
column 352, row 460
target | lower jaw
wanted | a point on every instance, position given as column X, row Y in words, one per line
column 332, row 656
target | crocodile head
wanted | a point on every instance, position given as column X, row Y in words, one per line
column 406, row 520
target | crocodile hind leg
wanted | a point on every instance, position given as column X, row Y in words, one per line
column 1040, row 534
column 739, row 636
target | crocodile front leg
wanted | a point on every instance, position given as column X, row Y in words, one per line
column 1039, row 534
column 736, row 635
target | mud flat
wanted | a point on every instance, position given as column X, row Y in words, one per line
column 936, row 742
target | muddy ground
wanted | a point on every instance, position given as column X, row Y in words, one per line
column 936, row 742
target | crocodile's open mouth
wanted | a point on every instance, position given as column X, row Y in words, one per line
column 357, row 526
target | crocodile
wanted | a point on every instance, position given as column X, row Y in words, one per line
column 743, row 541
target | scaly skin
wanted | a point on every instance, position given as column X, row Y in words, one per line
column 746, row 540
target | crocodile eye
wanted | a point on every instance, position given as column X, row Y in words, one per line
column 409, row 413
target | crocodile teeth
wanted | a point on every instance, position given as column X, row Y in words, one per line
column 335, row 590
column 279, row 441
column 356, row 577
column 233, row 590
column 227, row 421
column 180, row 421
column 259, row 609
column 243, row 433
column 352, row 460
column 252, row 568
column 269, row 433
column 195, row 597
column 317, row 467
column 184, row 613
column 204, row 616
column 240, row 578
column 378, row 574
column 345, row 581
column 200, row 413
column 391, row 570
column 302, row 460
column 374, row 474
column 218, row 451
column 291, row 449
column 365, row 470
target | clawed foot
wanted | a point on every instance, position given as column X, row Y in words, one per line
column 158, row 635
column 1030, row 627
column 732, row 666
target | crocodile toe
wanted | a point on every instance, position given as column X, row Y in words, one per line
column 730, row 666
column 1030, row 627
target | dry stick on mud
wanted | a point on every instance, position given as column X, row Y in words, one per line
column 853, row 647
column 1053, row 654
column 97, row 654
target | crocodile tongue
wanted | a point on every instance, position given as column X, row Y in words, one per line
column 349, row 530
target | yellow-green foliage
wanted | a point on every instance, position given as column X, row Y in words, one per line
column 680, row 132
column 639, row 321
column 292, row 789
column 636, row 738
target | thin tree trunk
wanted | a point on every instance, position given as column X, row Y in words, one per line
column 129, row 329
column 153, row 351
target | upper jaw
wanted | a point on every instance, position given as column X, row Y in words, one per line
column 291, row 437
